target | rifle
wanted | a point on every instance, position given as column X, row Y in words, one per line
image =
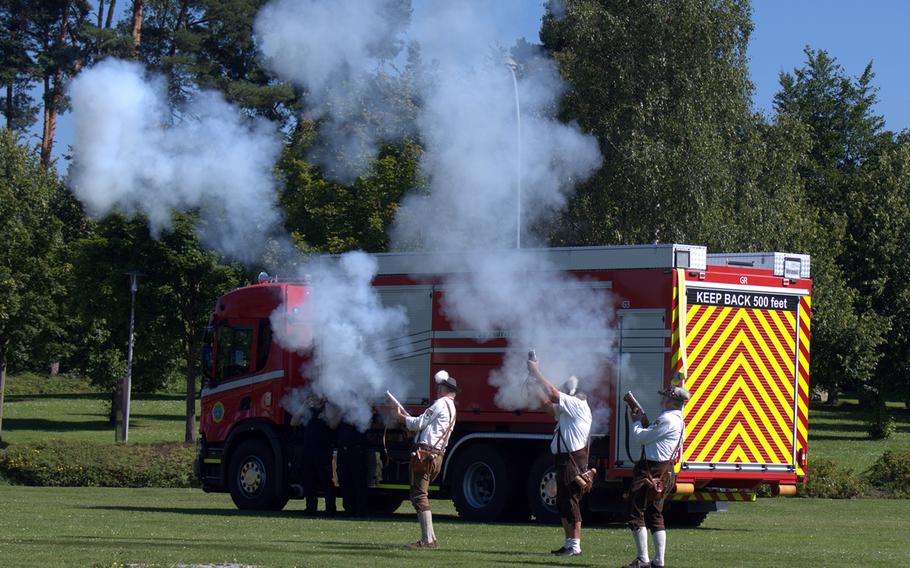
column 634, row 406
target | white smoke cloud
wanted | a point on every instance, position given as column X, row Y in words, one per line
column 132, row 156
column 349, row 330
column 467, row 126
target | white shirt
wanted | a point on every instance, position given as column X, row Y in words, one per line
column 661, row 438
column 573, row 419
column 433, row 423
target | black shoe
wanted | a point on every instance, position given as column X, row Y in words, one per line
column 653, row 565
column 568, row 552
column 638, row 563
column 558, row 550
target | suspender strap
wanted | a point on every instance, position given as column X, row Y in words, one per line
column 448, row 432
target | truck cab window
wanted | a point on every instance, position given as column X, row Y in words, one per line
column 263, row 343
column 235, row 345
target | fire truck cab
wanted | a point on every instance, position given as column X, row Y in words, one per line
column 738, row 325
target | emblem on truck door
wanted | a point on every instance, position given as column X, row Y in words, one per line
column 218, row 411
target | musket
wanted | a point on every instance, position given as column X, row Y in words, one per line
column 395, row 400
column 636, row 407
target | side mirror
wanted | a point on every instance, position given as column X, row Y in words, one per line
column 207, row 362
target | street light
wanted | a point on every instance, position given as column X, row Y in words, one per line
column 128, row 382
column 512, row 65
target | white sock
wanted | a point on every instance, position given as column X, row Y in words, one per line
column 567, row 543
column 573, row 544
column 641, row 543
column 430, row 531
column 426, row 527
column 660, row 545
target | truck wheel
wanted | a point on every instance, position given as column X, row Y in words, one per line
column 541, row 489
column 384, row 503
column 251, row 478
column 480, row 484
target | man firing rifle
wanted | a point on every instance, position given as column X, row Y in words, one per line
column 653, row 477
column 570, row 449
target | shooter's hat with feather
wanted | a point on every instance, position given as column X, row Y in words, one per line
column 444, row 379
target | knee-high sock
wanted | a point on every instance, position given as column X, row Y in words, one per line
column 426, row 526
column 660, row 545
column 641, row 543
column 430, row 531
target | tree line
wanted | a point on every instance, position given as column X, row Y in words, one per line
column 663, row 86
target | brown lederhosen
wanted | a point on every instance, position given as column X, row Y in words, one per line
column 641, row 511
column 420, row 483
column 568, row 493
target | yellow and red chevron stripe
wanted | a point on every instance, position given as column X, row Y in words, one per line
column 802, row 411
column 741, row 376
column 715, row 496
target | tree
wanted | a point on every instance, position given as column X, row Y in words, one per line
column 17, row 67
column 209, row 44
column 58, row 34
column 664, row 88
column 179, row 285
column 30, row 241
column 856, row 177
column 328, row 216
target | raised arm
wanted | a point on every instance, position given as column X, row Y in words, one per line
column 551, row 393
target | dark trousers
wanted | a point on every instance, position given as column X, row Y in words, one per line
column 568, row 493
column 352, row 476
column 317, row 474
column 642, row 509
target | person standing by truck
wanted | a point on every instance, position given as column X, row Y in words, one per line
column 318, row 446
column 570, row 448
column 433, row 429
column 652, row 477
column 352, row 469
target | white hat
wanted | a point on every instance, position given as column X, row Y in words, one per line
column 570, row 387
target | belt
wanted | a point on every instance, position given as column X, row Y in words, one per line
column 430, row 449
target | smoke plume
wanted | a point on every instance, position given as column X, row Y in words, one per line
column 343, row 321
column 467, row 125
column 134, row 153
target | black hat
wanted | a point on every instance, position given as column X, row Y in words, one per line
column 443, row 378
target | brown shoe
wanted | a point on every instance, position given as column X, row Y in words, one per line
column 421, row 544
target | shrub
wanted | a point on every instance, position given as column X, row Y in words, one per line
column 70, row 464
column 828, row 480
column 879, row 423
column 891, row 474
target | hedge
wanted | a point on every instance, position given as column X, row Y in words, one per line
column 80, row 464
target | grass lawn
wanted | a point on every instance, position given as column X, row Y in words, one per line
column 838, row 433
column 44, row 527
column 40, row 408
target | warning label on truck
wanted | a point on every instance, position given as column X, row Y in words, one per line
column 742, row 299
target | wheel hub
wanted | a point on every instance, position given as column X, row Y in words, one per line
column 252, row 476
column 548, row 488
column 479, row 485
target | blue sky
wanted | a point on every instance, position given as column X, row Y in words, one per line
column 853, row 32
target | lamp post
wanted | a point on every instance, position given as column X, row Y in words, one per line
column 512, row 65
column 128, row 381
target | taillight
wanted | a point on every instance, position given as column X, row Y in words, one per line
column 801, row 457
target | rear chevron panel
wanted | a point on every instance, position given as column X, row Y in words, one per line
column 742, row 366
column 802, row 414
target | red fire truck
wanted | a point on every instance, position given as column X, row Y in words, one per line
column 737, row 324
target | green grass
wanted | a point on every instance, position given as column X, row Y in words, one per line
column 43, row 527
column 38, row 409
column 839, row 434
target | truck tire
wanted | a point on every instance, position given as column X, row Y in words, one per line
column 252, row 477
column 480, row 484
column 384, row 503
column 541, row 489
